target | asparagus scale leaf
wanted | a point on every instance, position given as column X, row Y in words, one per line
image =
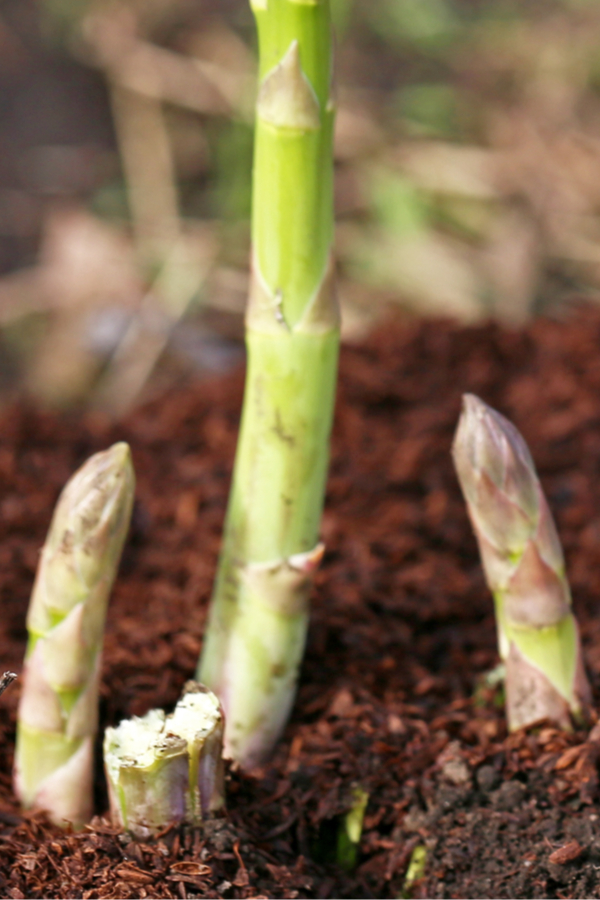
column 524, row 567
column 259, row 611
column 58, row 711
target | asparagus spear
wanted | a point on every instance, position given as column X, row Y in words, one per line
column 57, row 718
column 524, row 567
column 163, row 769
column 259, row 612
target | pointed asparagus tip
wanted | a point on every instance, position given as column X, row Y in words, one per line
column 481, row 431
column 501, row 488
column 473, row 405
column 466, row 443
column 478, row 414
column 487, row 443
column 119, row 454
column 97, row 500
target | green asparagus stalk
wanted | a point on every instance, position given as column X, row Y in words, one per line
column 524, row 566
column 58, row 711
column 258, row 619
column 162, row 769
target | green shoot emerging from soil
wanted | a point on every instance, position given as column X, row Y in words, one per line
column 415, row 871
column 58, row 713
column 350, row 830
column 524, row 567
column 162, row 769
column 259, row 613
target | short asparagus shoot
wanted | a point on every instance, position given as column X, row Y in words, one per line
column 415, row 870
column 162, row 769
column 259, row 612
column 350, row 830
column 524, row 567
column 58, row 710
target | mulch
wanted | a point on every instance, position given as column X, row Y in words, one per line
column 393, row 696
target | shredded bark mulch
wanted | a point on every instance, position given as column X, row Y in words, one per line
column 393, row 696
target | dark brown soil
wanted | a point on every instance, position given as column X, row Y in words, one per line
column 391, row 695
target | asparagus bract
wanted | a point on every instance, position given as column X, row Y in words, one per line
column 524, row 567
column 163, row 769
column 259, row 612
column 58, row 712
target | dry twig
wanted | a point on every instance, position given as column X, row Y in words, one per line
column 6, row 680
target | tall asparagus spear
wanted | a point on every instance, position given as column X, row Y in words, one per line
column 524, row 567
column 258, row 617
column 58, row 712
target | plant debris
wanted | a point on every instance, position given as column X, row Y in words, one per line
column 6, row 680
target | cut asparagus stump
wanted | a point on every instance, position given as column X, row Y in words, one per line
column 257, row 624
column 162, row 769
column 58, row 711
column 524, row 566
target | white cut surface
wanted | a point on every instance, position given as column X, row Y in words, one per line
column 141, row 740
column 195, row 716
column 134, row 742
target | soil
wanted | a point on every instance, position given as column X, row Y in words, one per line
column 392, row 696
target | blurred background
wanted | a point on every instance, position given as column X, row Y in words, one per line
column 467, row 178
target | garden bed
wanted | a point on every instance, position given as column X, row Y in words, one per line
column 391, row 696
